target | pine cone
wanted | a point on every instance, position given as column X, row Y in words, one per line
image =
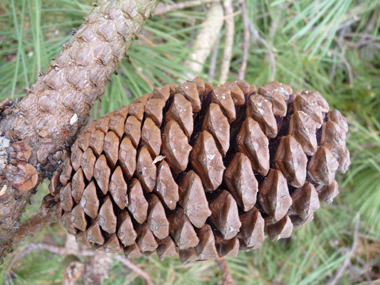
column 202, row 172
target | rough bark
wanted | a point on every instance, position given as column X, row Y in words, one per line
column 36, row 132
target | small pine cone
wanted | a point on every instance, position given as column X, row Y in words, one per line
column 201, row 172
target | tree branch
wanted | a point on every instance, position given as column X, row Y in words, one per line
column 256, row 36
column 229, row 30
column 135, row 268
column 244, row 59
column 226, row 275
column 163, row 8
column 205, row 40
column 36, row 133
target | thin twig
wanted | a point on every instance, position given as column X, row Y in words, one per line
column 229, row 30
column 147, row 81
column 135, row 268
column 205, row 41
column 149, row 42
column 221, row 19
column 163, row 8
column 226, row 275
column 34, row 224
column 213, row 59
column 29, row 248
column 338, row 41
column 256, row 36
column 244, row 16
column 340, row 272
column 348, row 67
column 61, row 250
column 362, row 35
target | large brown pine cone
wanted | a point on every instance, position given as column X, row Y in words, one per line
column 202, row 172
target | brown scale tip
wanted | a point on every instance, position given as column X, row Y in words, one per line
column 151, row 137
column 181, row 111
column 166, row 248
column 143, row 99
column 291, row 161
column 111, row 148
column 54, row 185
column 193, row 199
column 207, row 161
column 182, row 231
column 118, row 188
column 260, row 109
column 77, row 185
column 78, row 218
column 298, row 222
column 126, row 232
column 146, row 170
column 206, row 248
column 66, row 200
column 88, row 163
column 307, row 103
column 132, row 130
column 166, row 187
column 227, row 248
column 328, row 193
column 113, row 244
column 278, row 229
column 225, row 215
column 67, row 224
column 137, row 204
column 175, row 146
column 161, row 92
column 303, row 129
column 137, row 110
column 241, row 181
column 145, row 238
column 305, row 200
column 157, row 221
column 89, row 201
column 217, row 124
column 336, row 116
column 253, row 143
column 153, row 109
column 276, row 93
column 236, row 92
column 252, row 228
column 274, row 195
column 322, row 166
column 127, row 157
column 117, row 125
column 66, row 172
column 320, row 100
column 94, row 233
column 201, row 87
column 222, row 97
column 132, row 251
column 107, row 218
column 190, row 91
column 187, row 255
column 81, row 237
column 244, row 86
